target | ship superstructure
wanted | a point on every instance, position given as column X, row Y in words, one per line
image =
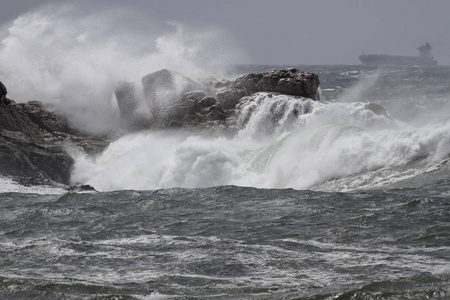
column 425, row 58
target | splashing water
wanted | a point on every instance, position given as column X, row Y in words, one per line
column 72, row 60
column 274, row 149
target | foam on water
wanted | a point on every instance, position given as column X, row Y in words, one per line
column 73, row 60
column 225, row 242
column 9, row 186
column 285, row 142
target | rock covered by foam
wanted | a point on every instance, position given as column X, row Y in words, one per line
column 173, row 100
column 34, row 141
column 170, row 100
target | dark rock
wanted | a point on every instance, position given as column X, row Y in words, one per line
column 13, row 118
column 248, row 82
column 288, row 81
column 126, row 99
column 163, row 89
column 377, row 109
column 195, row 95
column 223, row 84
column 81, row 188
column 131, row 116
column 206, row 112
column 172, row 99
column 34, row 140
column 33, row 143
column 177, row 101
column 56, row 130
column 165, row 83
column 228, row 98
column 23, row 155
column 44, row 119
column 3, row 90
column 208, row 101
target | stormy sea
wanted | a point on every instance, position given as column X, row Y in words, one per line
column 347, row 197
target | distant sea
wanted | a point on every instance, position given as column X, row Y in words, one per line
column 343, row 198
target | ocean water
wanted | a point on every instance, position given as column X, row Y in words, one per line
column 226, row 242
column 336, row 203
column 343, row 198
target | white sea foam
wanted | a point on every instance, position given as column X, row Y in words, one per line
column 73, row 60
column 325, row 141
column 10, row 186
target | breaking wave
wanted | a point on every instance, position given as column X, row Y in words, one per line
column 71, row 59
column 284, row 142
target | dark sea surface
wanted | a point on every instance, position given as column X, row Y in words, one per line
column 347, row 201
column 226, row 243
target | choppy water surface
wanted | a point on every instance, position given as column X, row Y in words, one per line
column 344, row 198
column 346, row 203
column 368, row 217
column 226, row 242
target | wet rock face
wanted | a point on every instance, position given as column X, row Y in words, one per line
column 288, row 82
column 33, row 140
column 33, row 143
column 44, row 119
column 169, row 100
column 3, row 91
column 165, row 88
column 173, row 100
column 24, row 156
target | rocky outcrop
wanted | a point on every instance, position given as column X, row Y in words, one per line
column 34, row 140
column 169, row 100
column 288, row 82
column 33, row 143
column 173, row 100
column 198, row 110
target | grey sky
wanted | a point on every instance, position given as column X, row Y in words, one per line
column 300, row 31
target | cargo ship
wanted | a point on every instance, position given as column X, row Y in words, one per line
column 425, row 58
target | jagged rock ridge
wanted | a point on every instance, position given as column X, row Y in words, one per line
column 33, row 140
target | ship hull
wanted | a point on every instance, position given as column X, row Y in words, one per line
column 394, row 60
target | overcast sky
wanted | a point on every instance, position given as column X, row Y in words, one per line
column 299, row 31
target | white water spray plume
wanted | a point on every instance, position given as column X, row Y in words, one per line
column 328, row 142
column 72, row 60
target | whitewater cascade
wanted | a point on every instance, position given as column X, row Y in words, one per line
column 284, row 142
column 72, row 61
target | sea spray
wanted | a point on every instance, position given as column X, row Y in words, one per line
column 325, row 141
column 364, row 84
column 152, row 160
column 75, row 61
column 265, row 114
column 72, row 60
